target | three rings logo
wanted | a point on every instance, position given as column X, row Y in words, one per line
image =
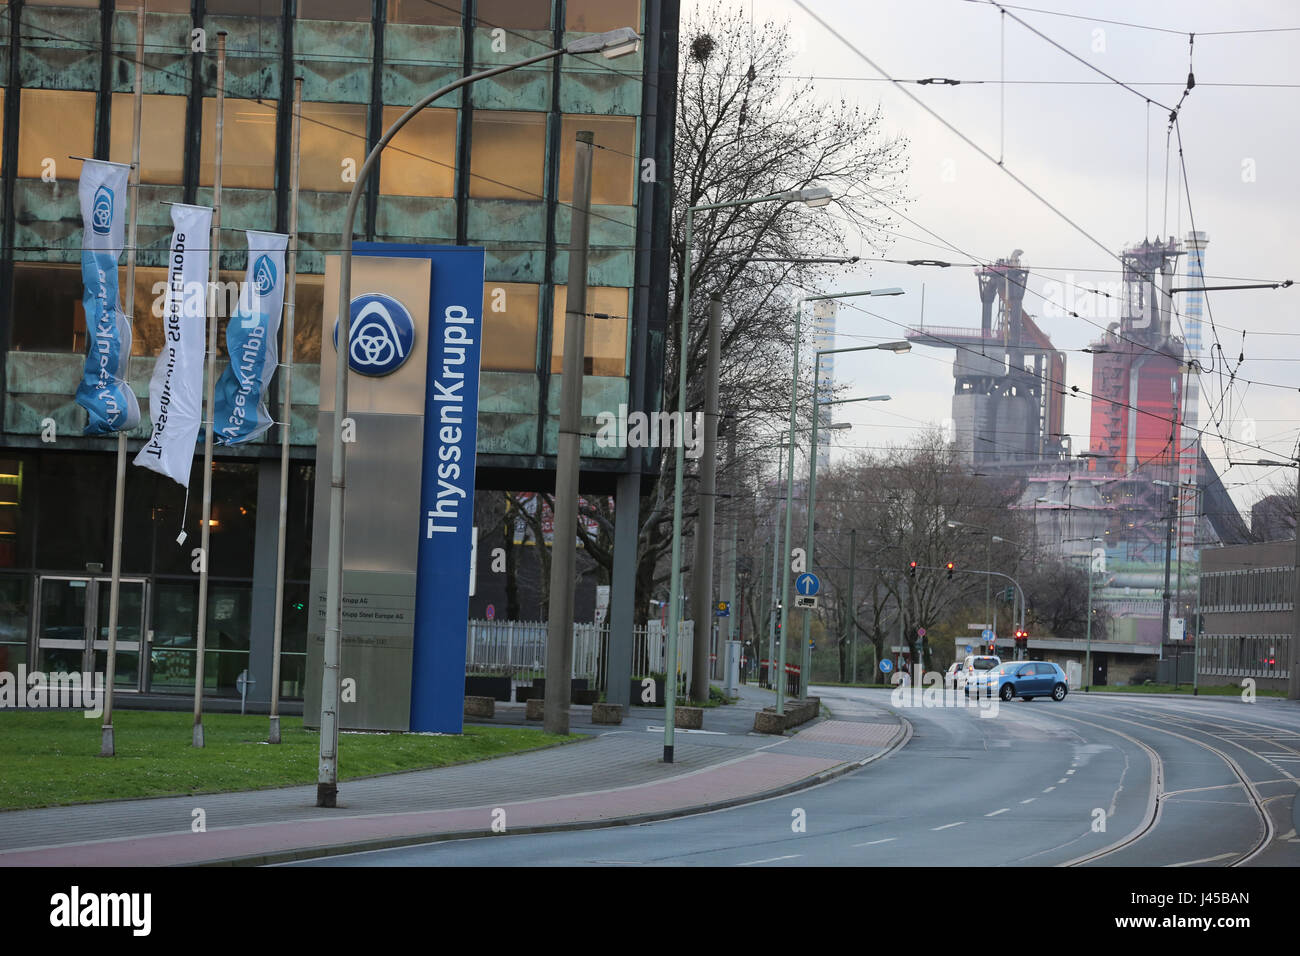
column 263, row 276
column 101, row 215
column 381, row 335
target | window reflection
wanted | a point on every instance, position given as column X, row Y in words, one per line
column 162, row 124
column 510, row 326
column 515, row 14
column 612, row 168
column 53, row 125
column 47, row 315
column 507, row 155
column 247, row 144
column 332, row 133
column 599, row 16
column 605, row 345
column 421, row 159
column 440, row 13
column 354, row 10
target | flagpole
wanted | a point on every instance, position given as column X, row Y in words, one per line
column 205, row 531
column 286, row 410
column 107, row 746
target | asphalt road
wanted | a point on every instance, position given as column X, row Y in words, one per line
column 1096, row 780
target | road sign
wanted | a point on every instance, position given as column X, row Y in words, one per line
column 886, row 666
column 807, row 584
column 987, row 634
column 491, row 611
column 807, row 602
column 722, row 609
column 920, row 632
column 976, row 627
column 969, row 649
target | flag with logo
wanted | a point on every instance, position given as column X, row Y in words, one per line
column 108, row 400
column 240, row 414
column 176, row 388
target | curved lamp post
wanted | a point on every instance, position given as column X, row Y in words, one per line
column 614, row 43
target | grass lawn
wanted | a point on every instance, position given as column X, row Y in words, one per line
column 49, row 757
column 1228, row 691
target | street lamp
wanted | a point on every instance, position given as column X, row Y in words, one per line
column 611, row 44
column 789, row 500
column 814, row 196
column 1087, row 681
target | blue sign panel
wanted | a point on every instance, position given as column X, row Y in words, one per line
column 886, row 666
column 807, row 584
column 446, row 518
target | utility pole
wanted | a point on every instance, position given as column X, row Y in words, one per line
column 730, row 557
column 1293, row 684
column 853, row 603
column 702, row 578
column 564, row 552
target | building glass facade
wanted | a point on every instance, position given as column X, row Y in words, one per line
column 489, row 165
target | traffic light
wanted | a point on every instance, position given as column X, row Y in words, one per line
column 950, row 566
column 911, row 569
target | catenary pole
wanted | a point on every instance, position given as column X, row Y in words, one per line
column 205, row 530
column 107, row 745
column 564, row 551
column 286, row 409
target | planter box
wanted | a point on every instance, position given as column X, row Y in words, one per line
column 768, row 722
column 585, row 696
column 498, row 688
column 606, row 713
column 688, row 718
column 480, row 707
column 535, row 708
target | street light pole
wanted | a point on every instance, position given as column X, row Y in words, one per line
column 615, row 43
column 789, row 498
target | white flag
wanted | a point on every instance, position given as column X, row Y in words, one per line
column 176, row 389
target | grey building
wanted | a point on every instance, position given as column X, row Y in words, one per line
column 1247, row 595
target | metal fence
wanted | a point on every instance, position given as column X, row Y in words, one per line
column 1245, row 655
column 517, row 649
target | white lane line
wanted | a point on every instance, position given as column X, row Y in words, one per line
column 1068, row 772
column 875, row 842
column 1064, row 780
column 1049, row 790
column 1208, row 859
column 996, row 812
column 1030, row 800
column 948, row 825
column 771, row 859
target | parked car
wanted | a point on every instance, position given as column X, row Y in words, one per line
column 1027, row 680
column 976, row 669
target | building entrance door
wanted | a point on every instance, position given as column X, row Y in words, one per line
column 72, row 632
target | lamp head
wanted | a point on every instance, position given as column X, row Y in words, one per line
column 610, row 45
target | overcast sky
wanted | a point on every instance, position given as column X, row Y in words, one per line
column 1084, row 148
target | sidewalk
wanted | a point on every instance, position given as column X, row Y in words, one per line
column 617, row 776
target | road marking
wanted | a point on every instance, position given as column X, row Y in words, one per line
column 947, row 825
column 680, row 730
column 1068, row 772
column 1208, row 859
column 1049, row 790
column 1064, row 780
column 996, row 812
column 1030, row 800
column 874, row 842
column 771, row 859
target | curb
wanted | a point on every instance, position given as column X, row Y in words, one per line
column 900, row 740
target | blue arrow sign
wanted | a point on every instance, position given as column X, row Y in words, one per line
column 886, row 666
column 807, row 584
column 969, row 648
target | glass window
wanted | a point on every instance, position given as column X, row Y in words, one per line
column 150, row 300
column 63, row 3
column 76, row 527
column 599, row 16
column 507, row 155
column 171, row 652
column 15, row 598
column 442, row 13
column 612, row 168
column 334, row 10
column 515, row 14
column 244, row 8
column 47, row 312
column 293, row 641
column 510, row 326
column 308, row 313
column 247, row 144
column 421, row 159
column 332, row 135
column 162, row 126
column 605, row 342
column 16, row 511
column 53, row 124
column 156, row 6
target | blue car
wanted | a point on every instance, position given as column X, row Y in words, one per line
column 1027, row 680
